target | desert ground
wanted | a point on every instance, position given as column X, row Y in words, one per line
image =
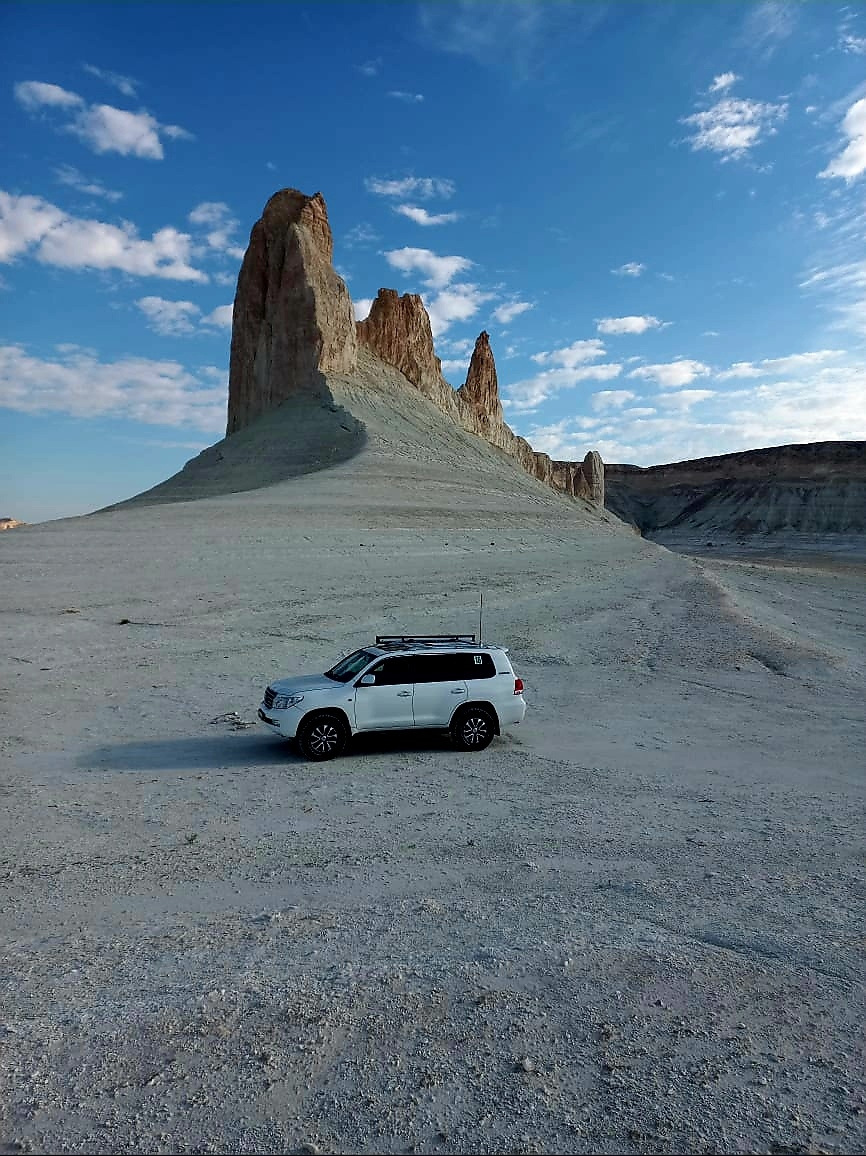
column 633, row 924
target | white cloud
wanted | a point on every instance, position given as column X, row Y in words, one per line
column 216, row 218
column 855, row 44
column 672, row 374
column 455, row 365
column 371, row 67
column 362, row 308
column 437, row 271
column 826, row 404
column 24, row 221
column 70, row 176
column 220, row 318
column 422, row 217
column 35, row 95
column 134, row 388
column 406, row 97
column 777, row 366
column 423, row 187
column 612, row 398
column 851, row 161
column 169, row 318
column 732, row 126
column 180, row 318
column 630, row 269
column 628, row 324
column 360, row 235
column 101, row 126
column 684, row 399
column 107, row 129
column 80, row 243
column 527, row 395
column 124, row 84
column 572, row 355
column 505, row 314
column 723, row 81
column 454, row 303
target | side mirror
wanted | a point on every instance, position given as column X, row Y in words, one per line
column 367, row 680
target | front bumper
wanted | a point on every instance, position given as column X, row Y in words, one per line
column 282, row 722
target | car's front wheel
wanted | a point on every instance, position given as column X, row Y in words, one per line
column 323, row 736
column 472, row 729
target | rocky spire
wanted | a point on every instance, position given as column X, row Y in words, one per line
column 480, row 392
column 398, row 331
column 293, row 318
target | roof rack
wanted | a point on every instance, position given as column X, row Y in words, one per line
column 403, row 639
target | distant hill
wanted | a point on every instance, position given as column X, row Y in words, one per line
column 818, row 488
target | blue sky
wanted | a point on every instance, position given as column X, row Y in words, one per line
column 656, row 211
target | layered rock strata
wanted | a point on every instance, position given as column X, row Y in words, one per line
column 293, row 325
column 816, row 488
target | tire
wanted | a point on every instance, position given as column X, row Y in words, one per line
column 472, row 729
column 323, row 736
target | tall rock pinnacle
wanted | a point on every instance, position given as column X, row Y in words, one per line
column 479, row 394
column 293, row 319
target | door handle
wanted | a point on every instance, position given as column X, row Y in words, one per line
column 403, row 693
column 458, row 691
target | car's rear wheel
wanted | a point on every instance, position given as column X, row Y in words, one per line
column 324, row 736
column 473, row 729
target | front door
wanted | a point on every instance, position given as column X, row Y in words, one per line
column 388, row 704
column 439, row 689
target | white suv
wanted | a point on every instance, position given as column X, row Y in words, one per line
column 403, row 682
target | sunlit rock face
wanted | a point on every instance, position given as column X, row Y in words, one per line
column 293, row 319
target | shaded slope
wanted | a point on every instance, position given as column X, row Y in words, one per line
column 370, row 431
column 819, row 488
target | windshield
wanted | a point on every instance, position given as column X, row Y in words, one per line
column 347, row 668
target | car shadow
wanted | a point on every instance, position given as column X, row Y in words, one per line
column 231, row 751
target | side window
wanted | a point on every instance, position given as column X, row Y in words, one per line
column 479, row 666
column 439, row 668
column 393, row 672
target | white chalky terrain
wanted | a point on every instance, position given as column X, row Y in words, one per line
column 634, row 925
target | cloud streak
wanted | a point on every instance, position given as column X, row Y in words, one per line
column 58, row 238
column 135, row 388
column 102, row 127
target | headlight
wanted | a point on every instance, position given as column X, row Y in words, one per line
column 283, row 701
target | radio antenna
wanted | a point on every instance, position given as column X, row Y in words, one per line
column 480, row 618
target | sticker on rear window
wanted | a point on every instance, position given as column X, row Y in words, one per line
column 477, row 659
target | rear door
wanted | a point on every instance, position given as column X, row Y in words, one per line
column 388, row 704
column 439, row 689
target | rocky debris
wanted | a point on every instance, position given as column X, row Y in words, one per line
column 10, row 523
column 293, row 320
column 398, row 331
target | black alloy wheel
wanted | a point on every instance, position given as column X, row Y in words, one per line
column 473, row 729
column 324, row 736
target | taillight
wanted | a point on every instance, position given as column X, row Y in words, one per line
column 518, row 686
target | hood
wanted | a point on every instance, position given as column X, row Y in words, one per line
column 304, row 685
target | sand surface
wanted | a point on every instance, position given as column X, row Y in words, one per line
column 633, row 924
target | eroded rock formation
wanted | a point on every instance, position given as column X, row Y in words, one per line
column 293, row 324
column 293, row 318
column 10, row 523
column 398, row 331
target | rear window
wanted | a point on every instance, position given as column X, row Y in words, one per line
column 478, row 666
